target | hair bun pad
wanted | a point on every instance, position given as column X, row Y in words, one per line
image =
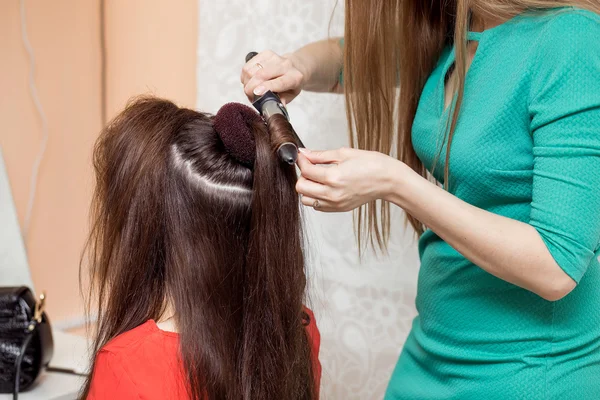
column 233, row 124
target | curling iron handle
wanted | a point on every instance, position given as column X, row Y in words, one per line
column 251, row 55
column 287, row 152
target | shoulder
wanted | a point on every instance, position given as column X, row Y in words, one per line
column 133, row 346
column 560, row 19
column 565, row 67
column 311, row 328
column 312, row 331
column 567, row 31
column 570, row 14
column 132, row 339
column 124, row 367
column 314, row 337
column 110, row 379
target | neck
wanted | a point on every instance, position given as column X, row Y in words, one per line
column 167, row 320
column 167, row 326
column 481, row 23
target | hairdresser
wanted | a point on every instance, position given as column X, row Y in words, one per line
column 500, row 102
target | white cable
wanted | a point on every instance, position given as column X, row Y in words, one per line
column 42, row 115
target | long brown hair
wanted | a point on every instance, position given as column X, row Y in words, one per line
column 391, row 43
column 177, row 221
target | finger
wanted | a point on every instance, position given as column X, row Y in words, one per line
column 254, row 70
column 260, row 58
column 254, row 65
column 311, row 171
column 317, row 204
column 312, row 189
column 324, row 157
column 288, row 96
column 291, row 81
column 268, row 72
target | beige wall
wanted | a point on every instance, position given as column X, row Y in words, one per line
column 151, row 47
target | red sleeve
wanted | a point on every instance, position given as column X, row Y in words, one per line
column 315, row 341
column 109, row 380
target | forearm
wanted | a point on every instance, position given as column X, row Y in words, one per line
column 506, row 248
column 320, row 63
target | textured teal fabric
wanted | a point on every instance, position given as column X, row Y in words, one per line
column 527, row 146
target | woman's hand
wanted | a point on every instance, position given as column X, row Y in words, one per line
column 506, row 248
column 352, row 178
column 270, row 71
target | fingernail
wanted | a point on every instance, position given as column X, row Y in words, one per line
column 303, row 150
column 260, row 90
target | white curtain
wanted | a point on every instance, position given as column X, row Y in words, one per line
column 364, row 309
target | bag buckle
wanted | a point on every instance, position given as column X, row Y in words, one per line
column 39, row 310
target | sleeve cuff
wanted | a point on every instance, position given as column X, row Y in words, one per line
column 570, row 256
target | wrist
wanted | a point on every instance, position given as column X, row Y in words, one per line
column 300, row 65
column 399, row 181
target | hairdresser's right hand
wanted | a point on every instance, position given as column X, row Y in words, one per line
column 270, row 71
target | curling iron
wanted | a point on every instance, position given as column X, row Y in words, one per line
column 268, row 105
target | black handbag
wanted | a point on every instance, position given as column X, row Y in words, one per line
column 26, row 344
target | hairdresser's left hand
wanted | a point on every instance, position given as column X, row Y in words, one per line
column 352, row 178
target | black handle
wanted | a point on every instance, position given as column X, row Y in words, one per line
column 250, row 55
column 287, row 152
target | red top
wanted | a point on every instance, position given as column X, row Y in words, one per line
column 143, row 364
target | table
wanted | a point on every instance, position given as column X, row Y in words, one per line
column 70, row 352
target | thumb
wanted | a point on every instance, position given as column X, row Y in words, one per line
column 323, row 156
column 287, row 97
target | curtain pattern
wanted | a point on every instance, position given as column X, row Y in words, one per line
column 364, row 308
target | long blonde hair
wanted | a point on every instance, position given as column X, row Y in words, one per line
column 391, row 43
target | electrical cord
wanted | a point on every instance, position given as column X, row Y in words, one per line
column 18, row 362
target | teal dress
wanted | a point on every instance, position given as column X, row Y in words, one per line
column 527, row 146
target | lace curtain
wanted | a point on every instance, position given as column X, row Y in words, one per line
column 364, row 309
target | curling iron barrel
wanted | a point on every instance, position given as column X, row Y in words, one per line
column 268, row 105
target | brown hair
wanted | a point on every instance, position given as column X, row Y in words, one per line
column 176, row 220
column 390, row 43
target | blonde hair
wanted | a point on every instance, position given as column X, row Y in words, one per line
column 398, row 42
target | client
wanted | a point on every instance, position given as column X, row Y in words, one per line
column 196, row 221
